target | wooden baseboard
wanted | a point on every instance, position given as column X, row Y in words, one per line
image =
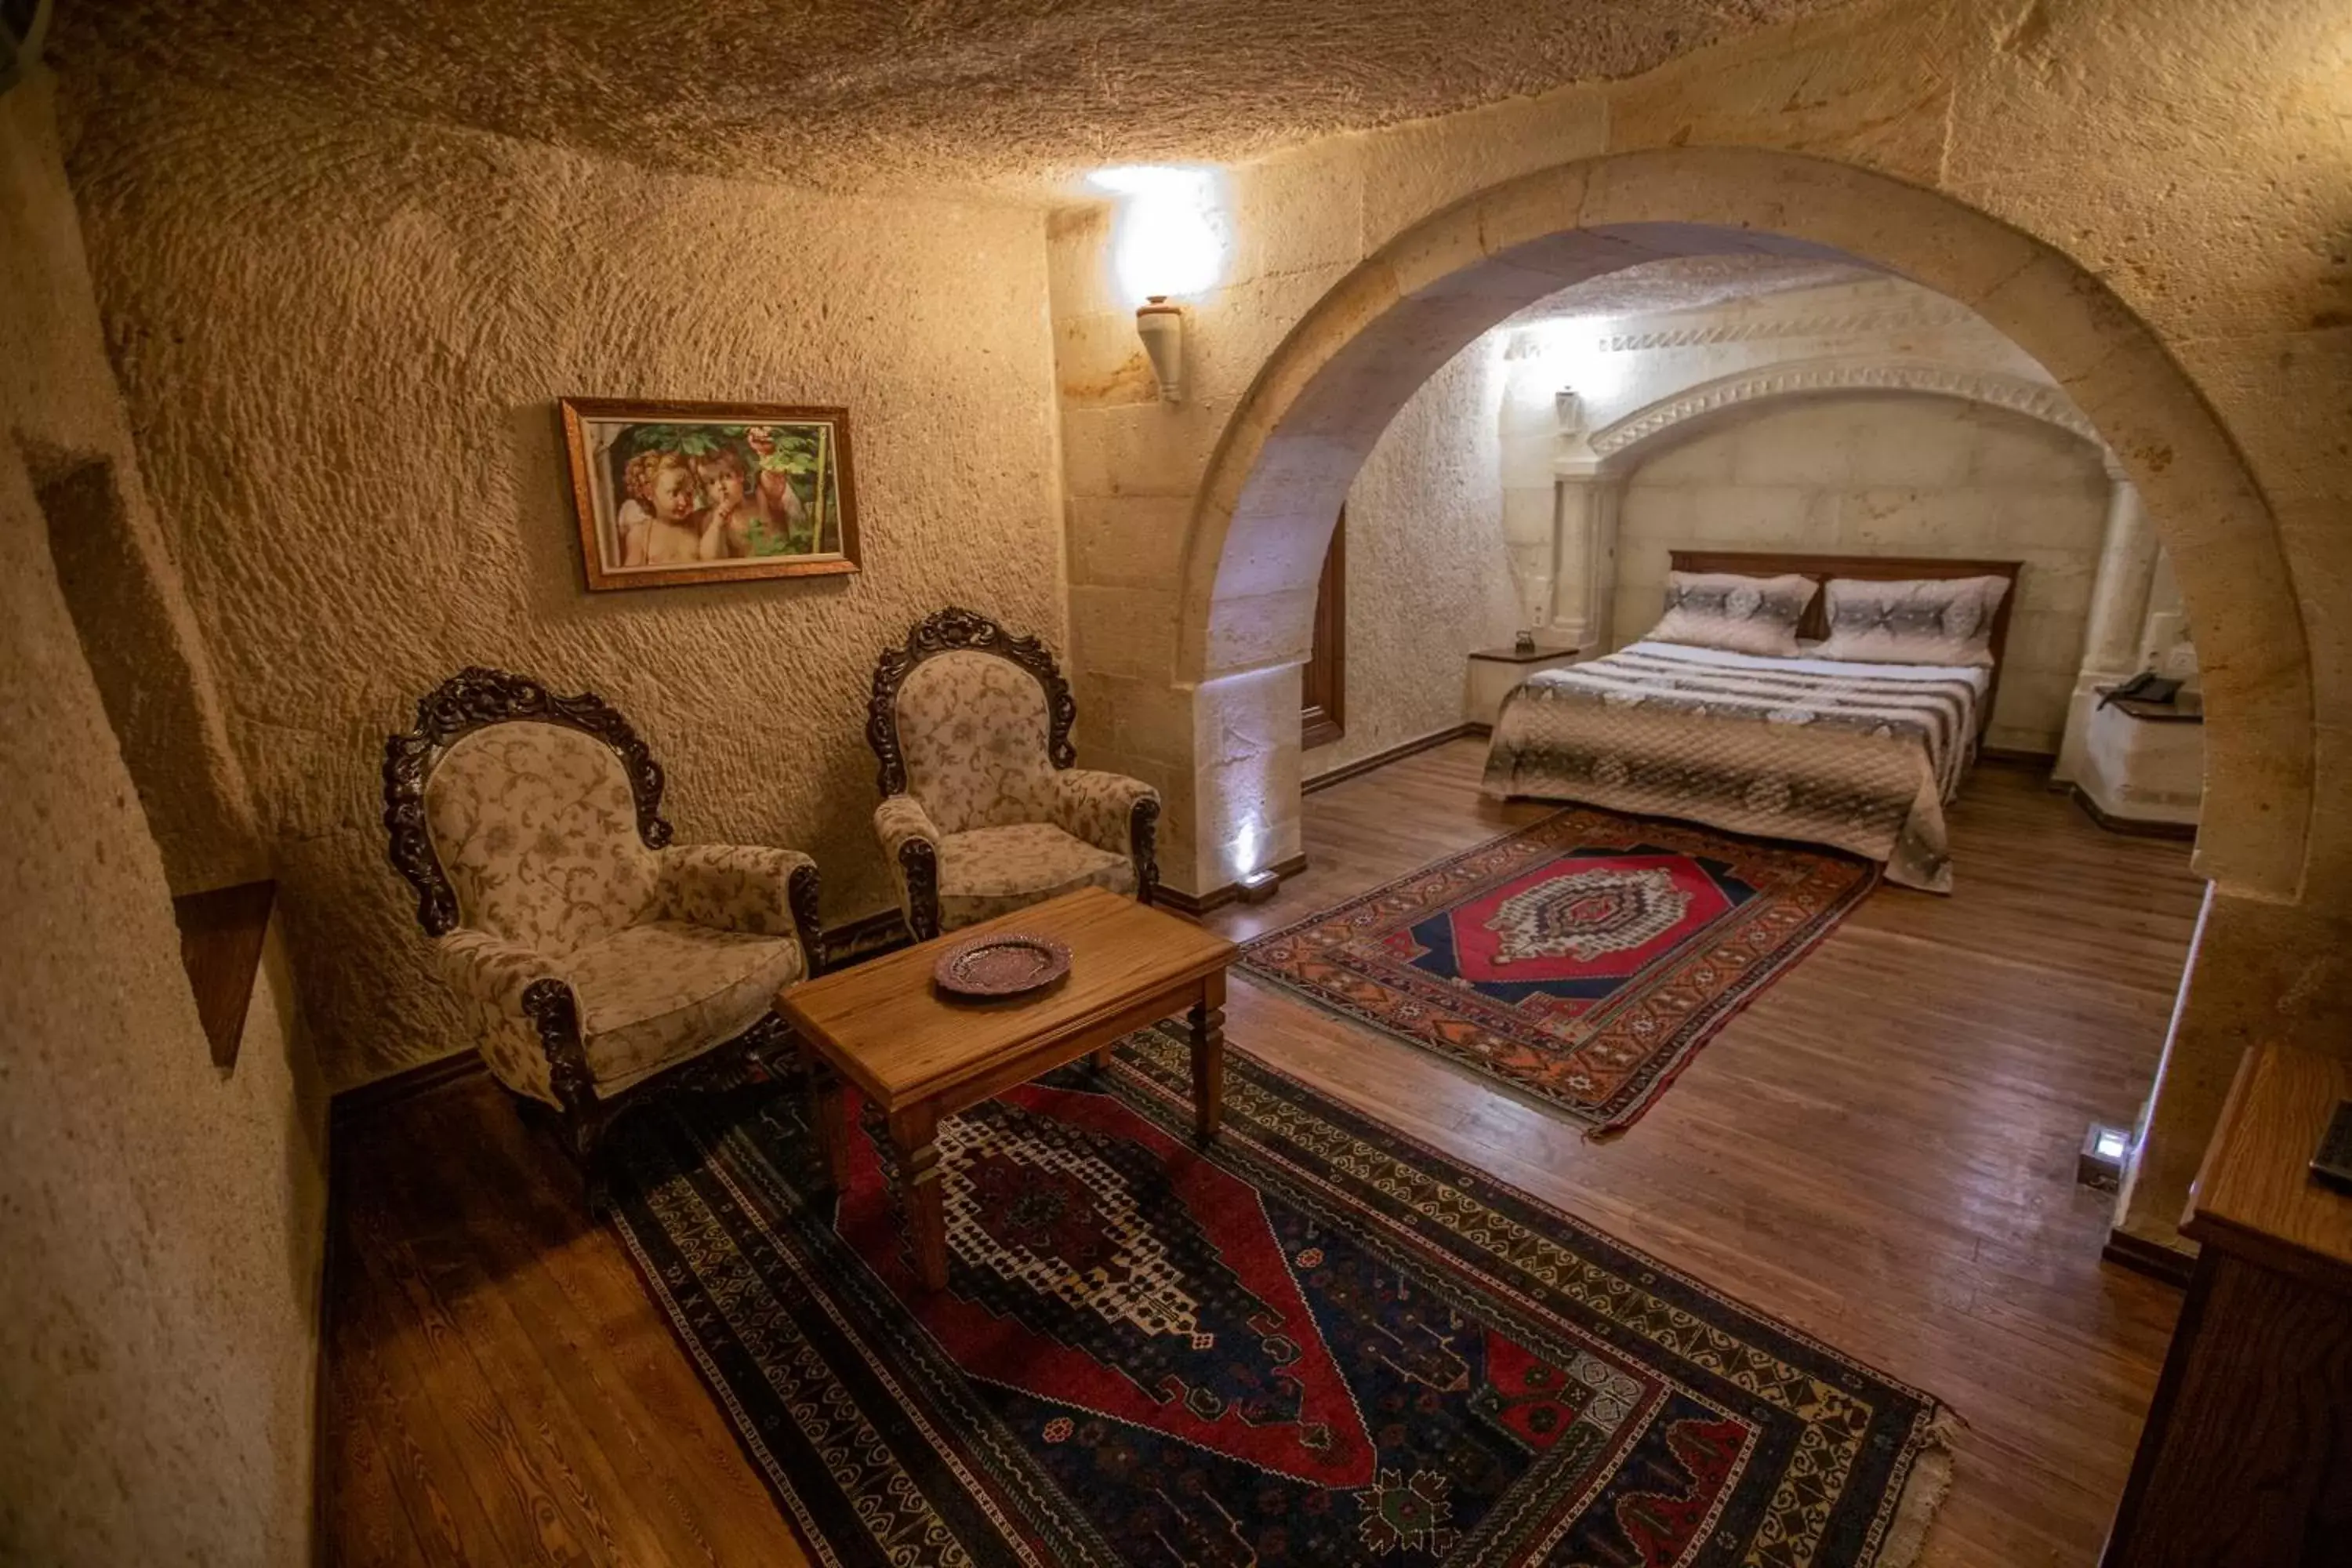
column 867, row 936
column 1362, row 765
column 2136, row 828
column 2017, row 757
column 362, row 1098
column 2152, row 1258
column 1199, row 904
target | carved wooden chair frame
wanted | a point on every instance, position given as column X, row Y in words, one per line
column 947, row 631
column 477, row 699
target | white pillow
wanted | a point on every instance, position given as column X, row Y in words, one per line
column 1946, row 620
column 1739, row 614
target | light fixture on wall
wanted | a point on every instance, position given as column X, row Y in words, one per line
column 1168, row 241
column 1160, row 325
column 1567, row 407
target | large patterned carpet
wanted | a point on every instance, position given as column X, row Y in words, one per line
column 1580, row 960
column 1316, row 1343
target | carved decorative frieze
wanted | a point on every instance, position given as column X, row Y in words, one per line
column 2035, row 400
column 1909, row 317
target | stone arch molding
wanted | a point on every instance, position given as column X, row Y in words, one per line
column 1263, row 512
column 1620, row 441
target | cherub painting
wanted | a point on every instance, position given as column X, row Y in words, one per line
column 686, row 492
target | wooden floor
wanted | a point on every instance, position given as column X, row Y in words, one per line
column 1879, row 1150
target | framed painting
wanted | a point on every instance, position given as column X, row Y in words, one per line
column 672, row 494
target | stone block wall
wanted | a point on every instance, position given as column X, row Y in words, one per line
column 1889, row 475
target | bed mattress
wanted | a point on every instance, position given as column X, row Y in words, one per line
column 1861, row 757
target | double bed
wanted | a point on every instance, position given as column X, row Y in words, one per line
column 1862, row 756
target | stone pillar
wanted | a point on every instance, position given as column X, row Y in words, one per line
column 2111, row 640
column 1584, row 553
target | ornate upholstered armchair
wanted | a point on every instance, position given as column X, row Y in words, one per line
column 982, row 811
column 593, row 958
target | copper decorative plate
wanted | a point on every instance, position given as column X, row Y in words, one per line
column 1001, row 963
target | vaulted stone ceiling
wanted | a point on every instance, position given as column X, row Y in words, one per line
column 1022, row 93
column 1689, row 283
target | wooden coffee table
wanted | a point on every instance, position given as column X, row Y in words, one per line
column 920, row 1054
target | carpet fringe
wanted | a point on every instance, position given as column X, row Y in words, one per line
column 1923, row 1491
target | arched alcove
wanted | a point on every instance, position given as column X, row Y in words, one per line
column 1263, row 513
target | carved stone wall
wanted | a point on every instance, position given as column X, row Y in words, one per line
column 165, row 1218
column 1428, row 577
column 345, row 390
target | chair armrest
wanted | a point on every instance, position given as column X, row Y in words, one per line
column 911, row 843
column 492, row 971
column 523, row 1005
column 743, row 887
column 1099, row 807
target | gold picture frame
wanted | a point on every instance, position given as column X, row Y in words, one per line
column 670, row 494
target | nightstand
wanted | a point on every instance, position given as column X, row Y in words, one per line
column 1494, row 671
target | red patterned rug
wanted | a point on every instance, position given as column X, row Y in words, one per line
column 1581, row 962
column 1313, row 1343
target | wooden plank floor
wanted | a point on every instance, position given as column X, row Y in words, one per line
column 1880, row 1151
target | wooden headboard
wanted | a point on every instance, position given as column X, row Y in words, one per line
column 1868, row 569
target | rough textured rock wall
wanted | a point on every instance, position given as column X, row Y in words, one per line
column 1428, row 577
column 161, row 1221
column 1022, row 92
column 1889, row 475
column 153, row 668
column 342, row 344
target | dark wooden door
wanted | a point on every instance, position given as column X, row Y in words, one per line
column 1323, row 684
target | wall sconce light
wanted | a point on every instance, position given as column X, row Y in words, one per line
column 1568, row 408
column 1160, row 325
column 1168, row 241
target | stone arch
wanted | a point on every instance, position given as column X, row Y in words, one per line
column 1283, row 463
column 1624, row 440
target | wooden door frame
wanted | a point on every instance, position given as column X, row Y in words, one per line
column 1323, row 680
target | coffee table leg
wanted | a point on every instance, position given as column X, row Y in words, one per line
column 1102, row 1058
column 829, row 1115
column 1208, row 1021
column 914, row 1131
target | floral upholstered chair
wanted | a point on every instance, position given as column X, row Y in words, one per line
column 981, row 812
column 591, row 955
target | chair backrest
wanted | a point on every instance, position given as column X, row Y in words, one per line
column 971, row 720
column 526, row 814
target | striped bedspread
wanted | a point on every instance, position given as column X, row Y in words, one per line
column 1861, row 757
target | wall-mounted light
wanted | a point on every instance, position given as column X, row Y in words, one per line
column 1169, row 241
column 1160, row 325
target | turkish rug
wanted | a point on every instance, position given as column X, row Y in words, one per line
column 1580, row 961
column 1314, row 1343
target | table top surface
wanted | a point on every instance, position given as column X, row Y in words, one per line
column 889, row 1030
column 1512, row 654
column 2255, row 1194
